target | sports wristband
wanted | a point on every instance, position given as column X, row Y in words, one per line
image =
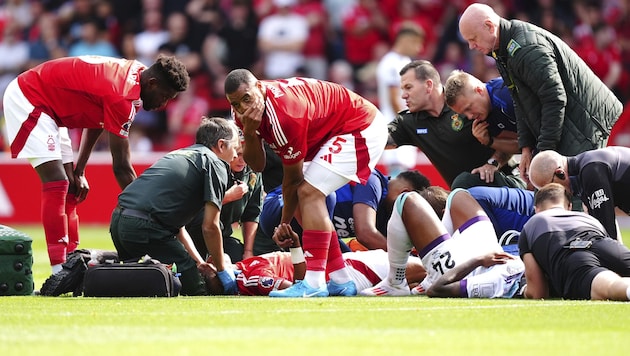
column 297, row 255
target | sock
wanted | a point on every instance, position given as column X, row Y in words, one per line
column 56, row 268
column 54, row 220
column 335, row 263
column 398, row 247
column 73, row 222
column 447, row 221
column 315, row 245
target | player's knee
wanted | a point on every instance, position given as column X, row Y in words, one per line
column 308, row 193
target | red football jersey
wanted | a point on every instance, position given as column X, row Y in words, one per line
column 301, row 114
column 86, row 91
column 262, row 274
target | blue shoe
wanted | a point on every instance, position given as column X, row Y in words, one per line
column 348, row 289
column 300, row 289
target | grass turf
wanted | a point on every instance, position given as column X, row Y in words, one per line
column 265, row 326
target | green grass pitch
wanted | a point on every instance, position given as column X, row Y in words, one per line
column 323, row 326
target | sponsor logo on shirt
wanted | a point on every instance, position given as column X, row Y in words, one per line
column 327, row 157
column 290, row 154
column 456, row 122
column 597, row 198
column 422, row 131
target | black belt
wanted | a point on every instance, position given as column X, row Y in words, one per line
column 135, row 213
column 144, row 216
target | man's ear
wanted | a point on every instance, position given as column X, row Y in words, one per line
column 153, row 82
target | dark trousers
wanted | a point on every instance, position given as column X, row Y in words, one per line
column 135, row 237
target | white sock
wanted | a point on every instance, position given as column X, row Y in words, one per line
column 397, row 273
column 315, row 279
column 398, row 248
column 340, row 276
column 56, row 268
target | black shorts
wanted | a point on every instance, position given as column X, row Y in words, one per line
column 583, row 265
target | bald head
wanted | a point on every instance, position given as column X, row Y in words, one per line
column 547, row 166
column 479, row 26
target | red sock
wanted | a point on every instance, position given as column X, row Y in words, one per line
column 335, row 259
column 315, row 245
column 73, row 222
column 54, row 219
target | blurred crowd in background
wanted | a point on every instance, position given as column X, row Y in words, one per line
column 336, row 40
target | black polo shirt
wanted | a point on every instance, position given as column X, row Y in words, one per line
column 446, row 140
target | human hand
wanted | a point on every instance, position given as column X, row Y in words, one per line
column 486, row 172
column 252, row 116
column 82, row 187
column 496, row 258
column 285, row 237
column 228, row 280
column 207, row 270
column 235, row 192
column 523, row 166
column 480, row 131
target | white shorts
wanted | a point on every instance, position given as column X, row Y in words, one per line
column 478, row 236
column 498, row 281
column 31, row 133
column 345, row 158
column 475, row 240
column 367, row 268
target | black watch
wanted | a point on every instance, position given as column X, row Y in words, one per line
column 493, row 162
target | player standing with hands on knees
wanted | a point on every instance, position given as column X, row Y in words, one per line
column 326, row 136
column 90, row 92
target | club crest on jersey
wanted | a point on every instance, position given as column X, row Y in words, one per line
column 51, row 143
column 456, row 122
column 266, row 282
column 252, row 180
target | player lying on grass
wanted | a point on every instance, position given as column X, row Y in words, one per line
column 265, row 274
column 569, row 254
column 415, row 223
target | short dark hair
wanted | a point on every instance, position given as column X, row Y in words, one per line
column 213, row 129
column 423, row 69
column 417, row 180
column 436, row 196
column 554, row 193
column 409, row 31
column 170, row 72
column 235, row 78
